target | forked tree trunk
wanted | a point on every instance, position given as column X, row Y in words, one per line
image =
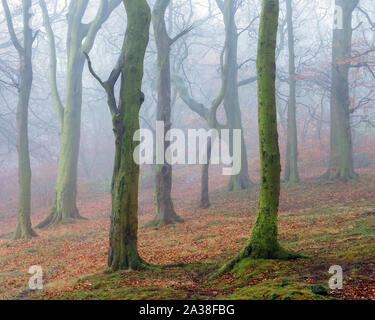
column 341, row 149
column 165, row 212
column 210, row 114
column 23, row 228
column 291, row 159
column 80, row 40
column 123, row 252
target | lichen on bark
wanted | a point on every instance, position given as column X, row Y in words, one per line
column 123, row 252
column 263, row 241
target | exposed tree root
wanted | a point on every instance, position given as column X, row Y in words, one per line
column 247, row 252
column 55, row 218
column 170, row 218
column 339, row 175
column 22, row 233
column 240, row 182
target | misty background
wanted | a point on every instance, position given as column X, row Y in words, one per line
column 196, row 58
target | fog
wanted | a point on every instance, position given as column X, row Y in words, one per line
column 201, row 64
column 196, row 59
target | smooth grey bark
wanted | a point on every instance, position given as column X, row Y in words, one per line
column 52, row 64
column 231, row 97
column 23, row 228
column 341, row 149
column 291, row 159
column 228, row 95
column 165, row 212
column 80, row 39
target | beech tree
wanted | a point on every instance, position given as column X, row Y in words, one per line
column 80, row 39
column 165, row 212
column 228, row 96
column 209, row 114
column 263, row 242
column 291, row 159
column 231, row 102
column 341, row 149
column 123, row 237
column 23, row 228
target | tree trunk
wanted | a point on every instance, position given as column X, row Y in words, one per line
column 231, row 98
column 291, row 159
column 64, row 207
column 341, row 150
column 23, row 228
column 205, row 196
column 165, row 213
column 263, row 242
column 80, row 39
column 52, row 64
column 123, row 253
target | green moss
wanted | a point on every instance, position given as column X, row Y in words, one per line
column 104, row 292
column 272, row 290
column 123, row 251
column 242, row 268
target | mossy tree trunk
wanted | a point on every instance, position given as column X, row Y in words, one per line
column 123, row 253
column 341, row 149
column 291, row 159
column 231, row 98
column 165, row 212
column 23, row 228
column 80, row 39
column 263, row 242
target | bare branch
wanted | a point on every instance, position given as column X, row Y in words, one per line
column 181, row 34
column 367, row 17
column 108, row 85
column 247, row 81
column 89, row 64
column 12, row 34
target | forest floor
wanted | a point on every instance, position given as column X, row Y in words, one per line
column 328, row 223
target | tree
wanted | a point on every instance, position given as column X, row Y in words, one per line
column 263, row 242
column 291, row 159
column 210, row 115
column 228, row 95
column 80, row 38
column 341, row 149
column 123, row 237
column 23, row 228
column 52, row 64
column 123, row 253
column 231, row 99
column 165, row 212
